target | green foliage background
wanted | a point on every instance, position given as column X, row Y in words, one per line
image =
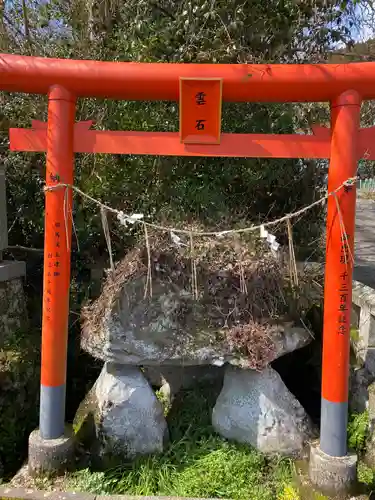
column 212, row 190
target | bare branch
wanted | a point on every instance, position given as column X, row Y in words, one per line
column 26, row 22
column 163, row 10
column 25, row 249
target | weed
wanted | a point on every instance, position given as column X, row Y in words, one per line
column 358, row 431
column 366, row 475
column 289, row 493
column 354, row 333
column 164, row 400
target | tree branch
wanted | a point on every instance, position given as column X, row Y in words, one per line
column 25, row 249
column 26, row 22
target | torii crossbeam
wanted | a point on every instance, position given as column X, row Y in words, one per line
column 315, row 146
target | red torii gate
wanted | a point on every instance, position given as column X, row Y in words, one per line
column 344, row 86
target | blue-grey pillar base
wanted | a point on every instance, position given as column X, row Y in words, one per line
column 52, row 411
column 51, row 457
column 333, row 428
column 332, row 475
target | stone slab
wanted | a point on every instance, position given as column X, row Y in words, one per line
column 126, row 497
column 34, row 494
column 12, row 269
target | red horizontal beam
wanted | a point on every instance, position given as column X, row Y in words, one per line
column 168, row 144
column 160, row 81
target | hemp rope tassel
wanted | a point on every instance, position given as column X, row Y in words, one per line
column 148, row 286
column 194, row 284
column 238, row 248
column 103, row 214
column 344, row 234
column 292, row 258
column 66, row 215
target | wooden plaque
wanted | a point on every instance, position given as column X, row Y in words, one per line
column 200, row 110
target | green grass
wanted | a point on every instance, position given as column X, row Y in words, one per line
column 197, row 463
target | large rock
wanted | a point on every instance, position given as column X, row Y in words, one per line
column 130, row 340
column 359, row 382
column 240, row 315
column 124, row 414
column 19, row 375
column 362, row 339
column 257, row 408
column 369, row 456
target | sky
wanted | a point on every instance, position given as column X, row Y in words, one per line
column 367, row 30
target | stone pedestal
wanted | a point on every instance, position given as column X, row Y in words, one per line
column 51, row 457
column 332, row 475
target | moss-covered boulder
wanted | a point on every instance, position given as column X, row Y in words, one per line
column 207, row 302
column 19, row 376
column 121, row 417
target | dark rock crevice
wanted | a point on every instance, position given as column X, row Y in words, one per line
column 301, row 370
